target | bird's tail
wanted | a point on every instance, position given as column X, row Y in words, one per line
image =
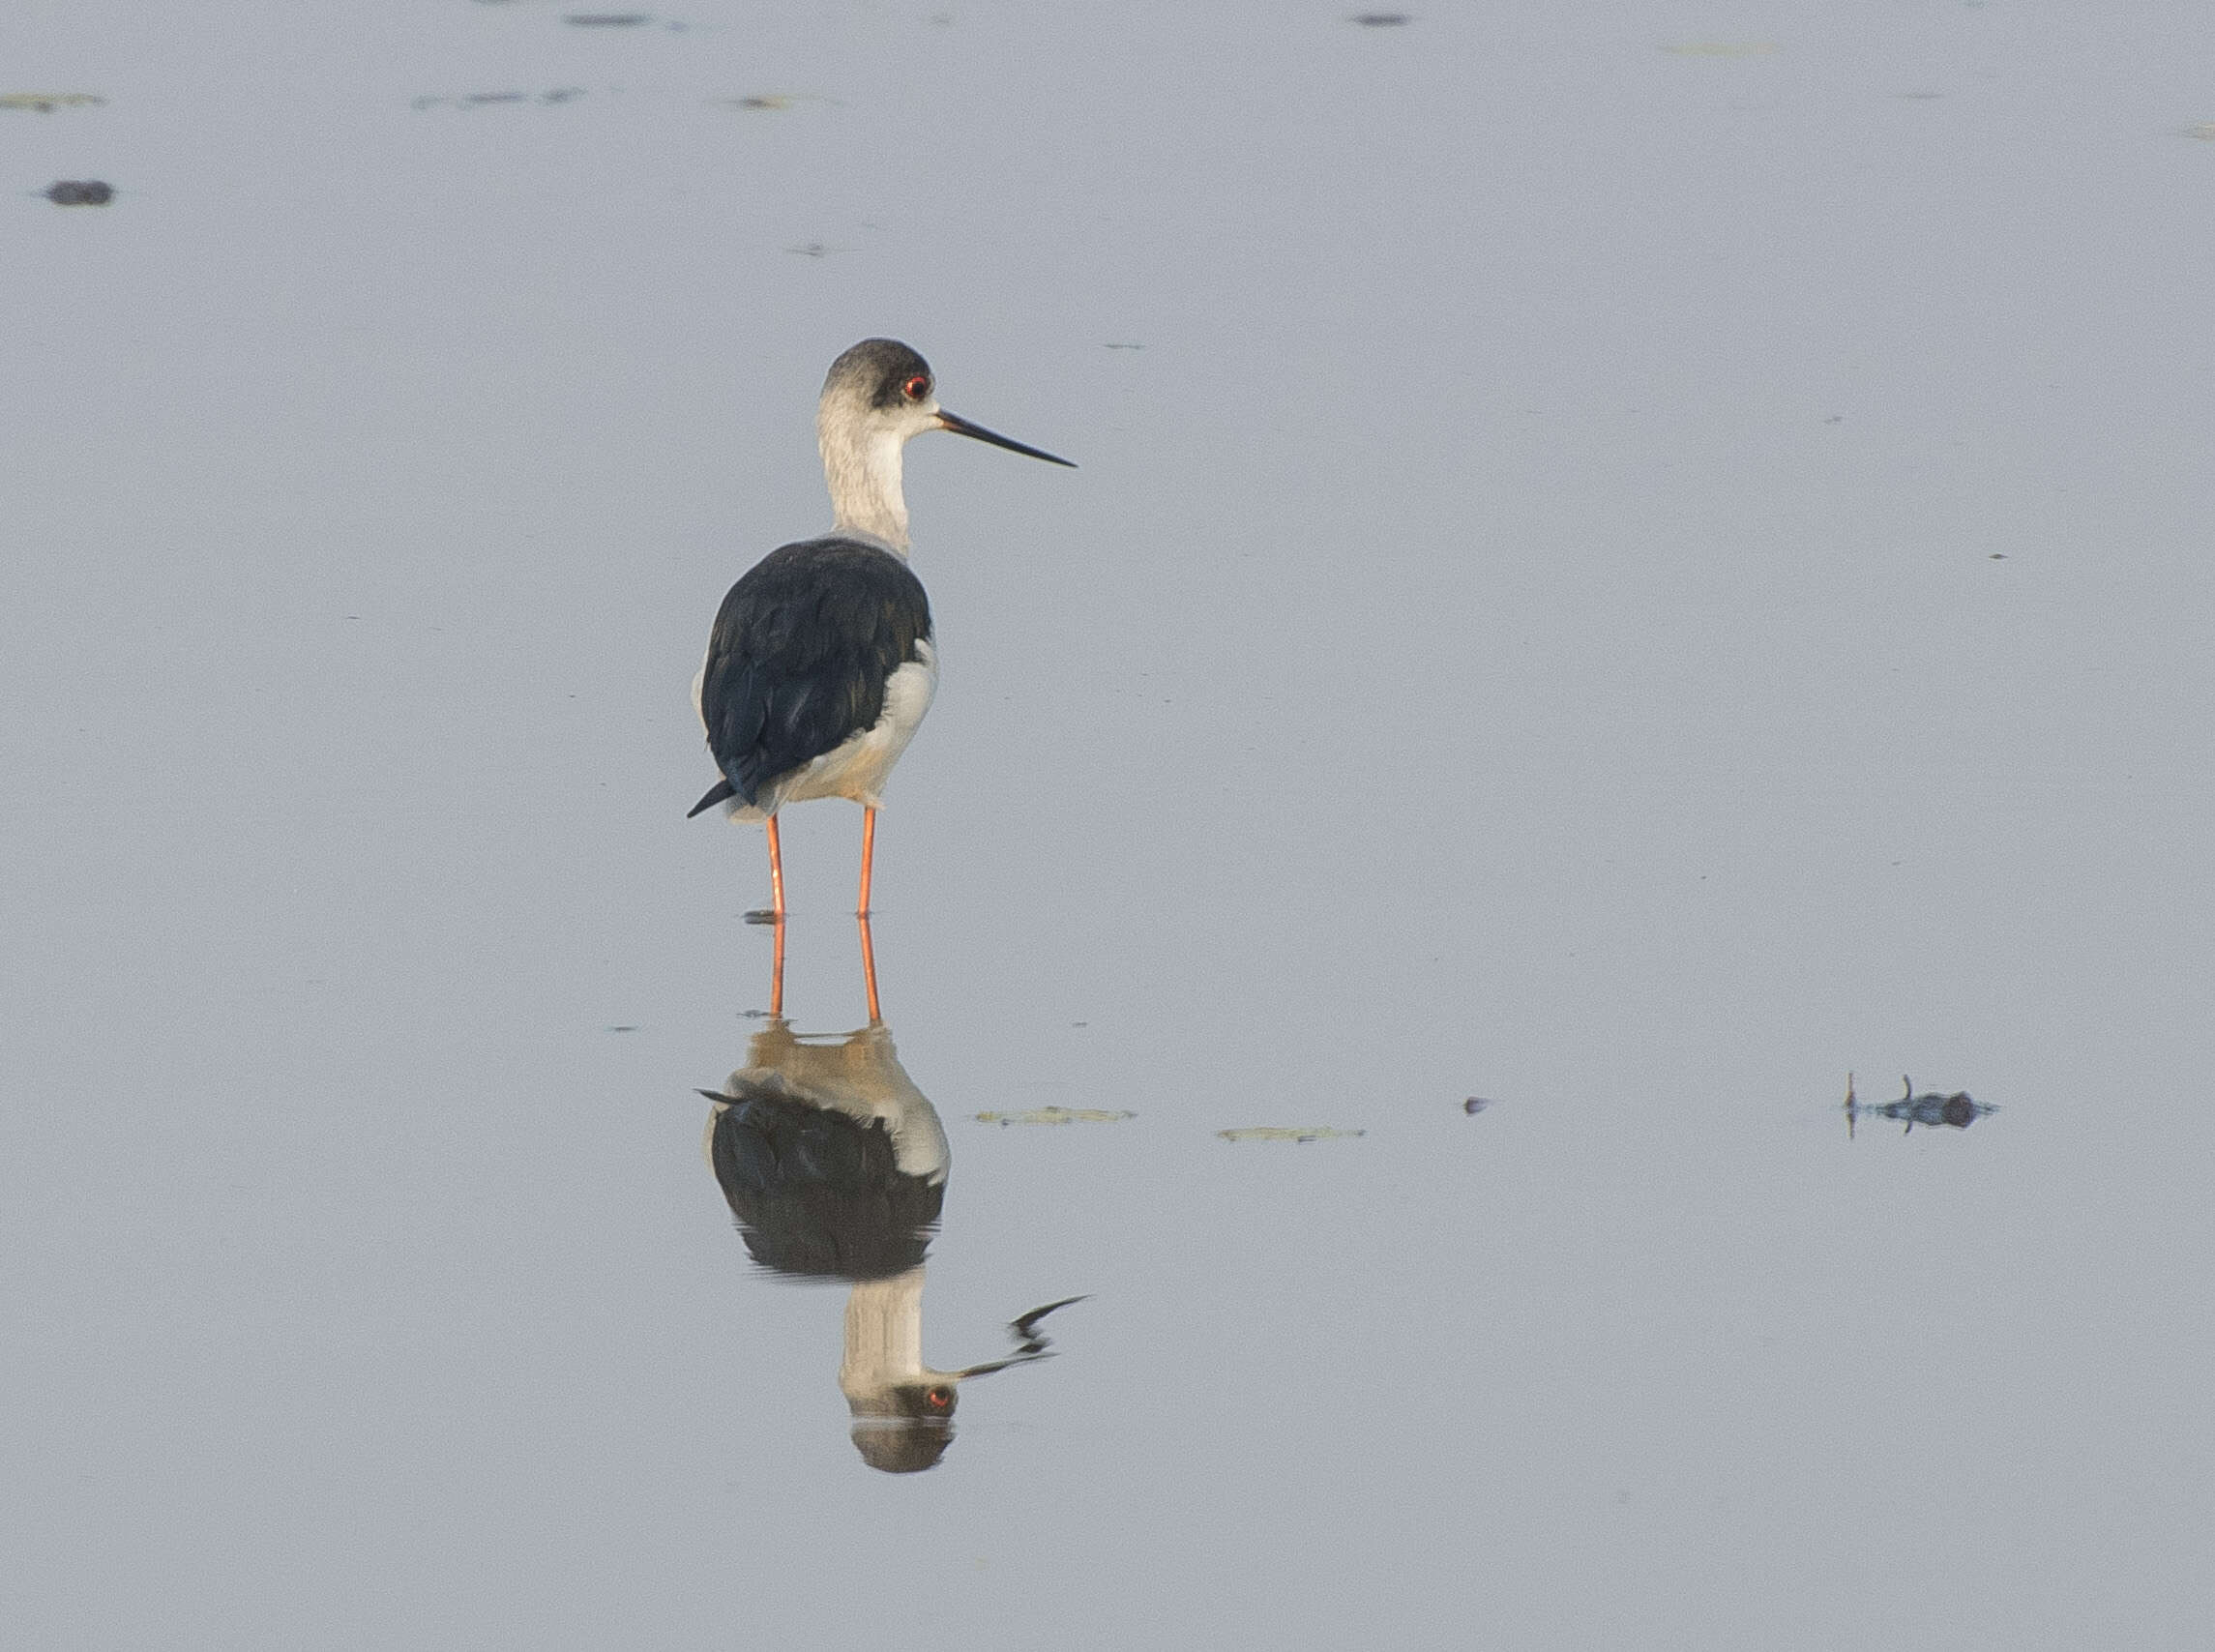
column 721, row 790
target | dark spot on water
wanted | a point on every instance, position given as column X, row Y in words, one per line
column 1382, row 20
column 607, row 20
column 86, row 191
column 1475, row 1104
column 623, row 1029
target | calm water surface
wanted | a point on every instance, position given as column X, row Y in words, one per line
column 1628, row 561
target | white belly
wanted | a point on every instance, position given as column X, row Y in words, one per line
column 859, row 768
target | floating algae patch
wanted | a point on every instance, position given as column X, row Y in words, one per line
column 1289, row 1132
column 47, row 103
column 486, row 99
column 1055, row 1115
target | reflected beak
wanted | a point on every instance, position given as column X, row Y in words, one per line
column 962, row 427
column 1025, row 1330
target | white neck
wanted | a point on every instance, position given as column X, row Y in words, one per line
column 884, row 1339
column 863, row 470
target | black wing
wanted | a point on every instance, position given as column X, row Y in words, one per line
column 800, row 655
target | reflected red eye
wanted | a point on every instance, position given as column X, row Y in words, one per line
column 916, row 387
column 938, row 1398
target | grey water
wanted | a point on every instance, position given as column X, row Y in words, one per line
column 1628, row 561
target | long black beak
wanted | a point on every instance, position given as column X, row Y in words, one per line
column 962, row 427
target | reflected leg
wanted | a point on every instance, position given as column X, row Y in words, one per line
column 776, row 972
column 868, row 969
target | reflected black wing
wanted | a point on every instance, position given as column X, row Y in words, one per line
column 817, row 1191
column 801, row 652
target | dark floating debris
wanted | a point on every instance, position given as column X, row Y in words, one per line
column 86, row 191
column 1383, row 19
column 607, row 20
column 1475, row 1104
column 1929, row 1109
column 771, row 101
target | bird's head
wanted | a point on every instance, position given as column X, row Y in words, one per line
column 883, row 393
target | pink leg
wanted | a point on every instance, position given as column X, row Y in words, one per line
column 869, row 856
column 775, row 875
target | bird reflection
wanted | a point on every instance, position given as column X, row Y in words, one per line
column 835, row 1166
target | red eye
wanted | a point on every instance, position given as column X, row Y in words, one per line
column 938, row 1398
column 916, row 387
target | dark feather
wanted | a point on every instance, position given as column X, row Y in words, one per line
column 716, row 794
column 800, row 655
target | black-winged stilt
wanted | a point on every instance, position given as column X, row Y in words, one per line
column 820, row 665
